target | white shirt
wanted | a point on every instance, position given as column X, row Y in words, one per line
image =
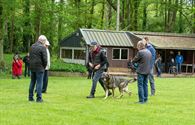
column 48, row 60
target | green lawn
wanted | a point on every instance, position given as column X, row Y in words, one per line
column 66, row 104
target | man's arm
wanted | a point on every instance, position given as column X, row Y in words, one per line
column 136, row 58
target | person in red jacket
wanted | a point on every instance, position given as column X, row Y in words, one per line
column 16, row 67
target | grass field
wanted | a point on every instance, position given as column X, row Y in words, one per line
column 66, row 104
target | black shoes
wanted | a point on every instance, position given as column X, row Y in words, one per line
column 90, row 96
column 31, row 100
column 109, row 93
column 39, row 100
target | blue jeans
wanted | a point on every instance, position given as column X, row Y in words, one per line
column 45, row 81
column 142, row 87
column 36, row 78
column 95, row 79
column 151, row 79
column 178, row 65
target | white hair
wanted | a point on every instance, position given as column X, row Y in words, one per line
column 42, row 39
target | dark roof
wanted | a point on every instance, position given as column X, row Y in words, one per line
column 170, row 40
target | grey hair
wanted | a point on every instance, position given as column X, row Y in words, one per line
column 141, row 44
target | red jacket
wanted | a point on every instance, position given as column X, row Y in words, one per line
column 17, row 67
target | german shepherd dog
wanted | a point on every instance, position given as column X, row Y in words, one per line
column 112, row 82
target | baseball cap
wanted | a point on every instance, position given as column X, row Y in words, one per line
column 42, row 38
column 47, row 43
column 93, row 43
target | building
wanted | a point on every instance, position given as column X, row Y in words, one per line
column 164, row 43
column 120, row 46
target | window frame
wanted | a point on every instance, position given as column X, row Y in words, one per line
column 120, row 53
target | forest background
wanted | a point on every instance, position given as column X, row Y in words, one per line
column 22, row 21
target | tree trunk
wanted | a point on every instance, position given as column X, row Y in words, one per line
column 60, row 21
column 193, row 16
column 91, row 14
column 118, row 16
column 102, row 14
column 1, row 32
column 135, row 22
column 180, row 17
column 171, row 15
column 128, row 15
column 144, row 16
column 37, row 20
column 26, row 33
column 114, row 6
column 12, row 30
column 52, row 26
column 109, row 16
column 123, row 15
column 165, row 15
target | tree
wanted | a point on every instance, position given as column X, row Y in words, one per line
column 27, row 28
column 1, row 32
column 193, row 16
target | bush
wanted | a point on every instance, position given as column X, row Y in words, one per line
column 59, row 65
column 56, row 65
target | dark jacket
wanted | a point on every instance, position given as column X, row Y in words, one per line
column 26, row 60
column 143, row 59
column 38, row 57
column 98, row 58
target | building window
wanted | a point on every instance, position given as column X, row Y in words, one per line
column 120, row 54
column 116, row 54
column 79, row 54
column 73, row 53
column 124, row 54
column 66, row 53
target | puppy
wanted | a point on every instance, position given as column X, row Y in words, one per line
column 112, row 82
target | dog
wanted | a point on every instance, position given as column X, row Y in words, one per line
column 112, row 82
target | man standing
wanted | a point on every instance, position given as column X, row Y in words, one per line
column 97, row 61
column 26, row 61
column 143, row 61
column 38, row 62
column 179, row 61
column 151, row 76
column 45, row 78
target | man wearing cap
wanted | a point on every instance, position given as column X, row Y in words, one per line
column 151, row 76
column 38, row 62
column 45, row 77
column 97, row 61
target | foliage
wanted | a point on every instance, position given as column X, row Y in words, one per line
column 24, row 21
column 59, row 65
column 56, row 65
column 65, row 103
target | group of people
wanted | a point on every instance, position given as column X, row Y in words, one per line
column 144, row 61
column 175, row 61
column 39, row 61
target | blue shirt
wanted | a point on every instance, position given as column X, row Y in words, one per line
column 179, row 59
column 153, row 52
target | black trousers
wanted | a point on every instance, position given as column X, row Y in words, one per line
column 45, row 81
column 27, row 70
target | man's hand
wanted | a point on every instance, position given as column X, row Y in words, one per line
column 91, row 65
column 97, row 67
